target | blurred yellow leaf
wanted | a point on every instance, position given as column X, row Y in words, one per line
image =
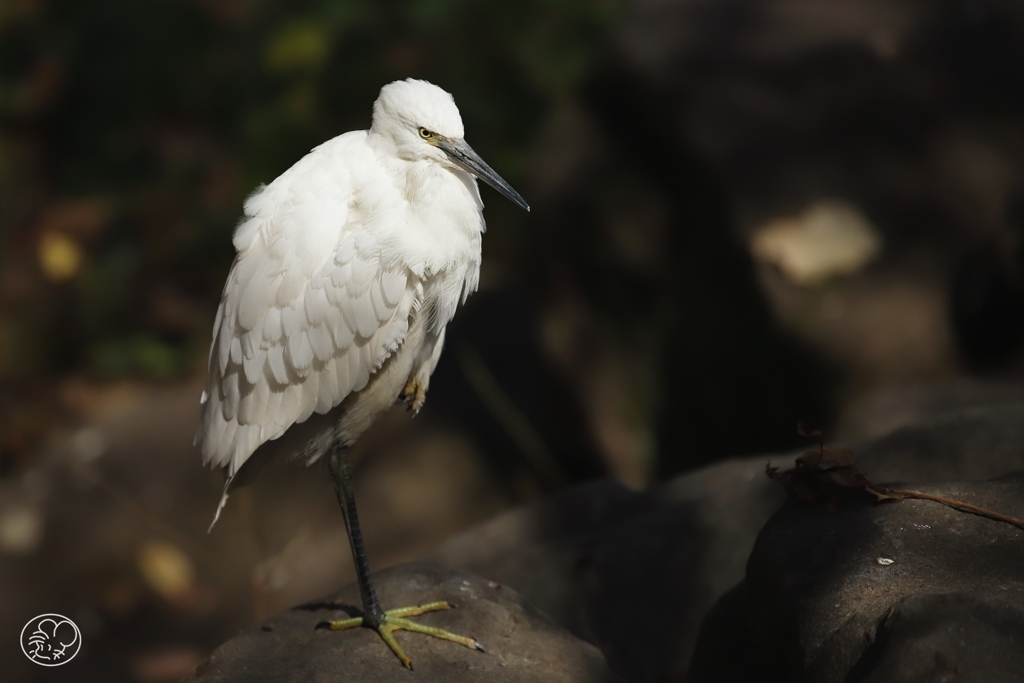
column 301, row 45
column 60, row 257
column 166, row 569
column 21, row 529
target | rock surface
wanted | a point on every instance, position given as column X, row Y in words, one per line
column 522, row 643
column 602, row 560
column 972, row 443
column 910, row 590
column 884, row 411
column 634, row 573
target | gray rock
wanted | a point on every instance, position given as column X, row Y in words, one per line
column 885, row 410
column 522, row 643
column 541, row 549
column 821, row 601
column 637, row 573
column 947, row 636
column 975, row 442
column 634, row 573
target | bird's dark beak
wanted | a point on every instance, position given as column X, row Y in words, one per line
column 463, row 156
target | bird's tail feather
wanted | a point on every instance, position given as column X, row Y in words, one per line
column 222, row 503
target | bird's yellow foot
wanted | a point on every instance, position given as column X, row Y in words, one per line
column 397, row 620
column 414, row 394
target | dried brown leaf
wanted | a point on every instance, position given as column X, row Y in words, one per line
column 837, row 455
column 809, row 459
column 829, row 470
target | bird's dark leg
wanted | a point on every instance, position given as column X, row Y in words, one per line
column 385, row 623
column 341, row 472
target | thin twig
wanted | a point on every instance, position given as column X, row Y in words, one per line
column 515, row 423
column 900, row 494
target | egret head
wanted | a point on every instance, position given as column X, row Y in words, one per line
column 422, row 122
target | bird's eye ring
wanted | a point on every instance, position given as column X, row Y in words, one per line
column 426, row 134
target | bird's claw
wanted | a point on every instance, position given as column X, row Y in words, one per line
column 414, row 395
column 398, row 620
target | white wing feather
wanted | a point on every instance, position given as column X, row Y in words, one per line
column 328, row 274
column 312, row 307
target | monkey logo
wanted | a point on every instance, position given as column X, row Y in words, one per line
column 50, row 640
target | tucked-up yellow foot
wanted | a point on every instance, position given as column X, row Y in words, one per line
column 396, row 620
column 414, row 394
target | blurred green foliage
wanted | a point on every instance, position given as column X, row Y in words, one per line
column 130, row 133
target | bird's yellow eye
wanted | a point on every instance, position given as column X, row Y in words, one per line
column 426, row 134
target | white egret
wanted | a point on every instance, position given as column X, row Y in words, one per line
column 350, row 265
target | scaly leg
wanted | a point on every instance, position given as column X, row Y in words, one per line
column 385, row 623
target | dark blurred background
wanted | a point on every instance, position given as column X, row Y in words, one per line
column 745, row 214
